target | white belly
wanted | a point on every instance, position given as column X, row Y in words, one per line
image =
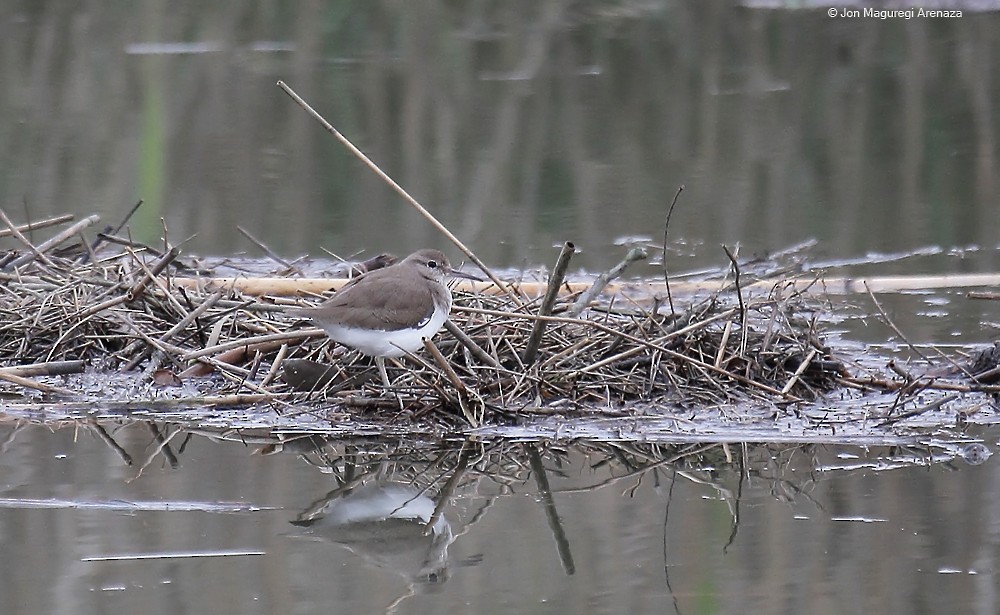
column 387, row 343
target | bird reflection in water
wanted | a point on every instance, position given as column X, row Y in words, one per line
column 387, row 525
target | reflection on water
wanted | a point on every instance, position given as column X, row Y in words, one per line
column 247, row 522
column 391, row 525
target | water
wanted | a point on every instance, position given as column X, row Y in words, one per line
column 520, row 126
column 609, row 528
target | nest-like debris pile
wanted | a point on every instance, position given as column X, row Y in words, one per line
column 130, row 308
column 712, row 352
column 605, row 359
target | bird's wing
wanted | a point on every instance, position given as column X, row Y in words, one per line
column 384, row 306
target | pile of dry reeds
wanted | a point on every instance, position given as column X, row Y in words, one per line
column 118, row 306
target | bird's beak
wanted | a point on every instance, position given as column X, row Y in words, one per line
column 468, row 276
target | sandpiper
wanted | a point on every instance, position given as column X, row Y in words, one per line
column 388, row 312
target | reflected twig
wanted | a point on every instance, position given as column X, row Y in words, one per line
column 735, row 505
column 555, row 524
column 449, row 487
column 18, row 426
column 164, row 447
column 105, row 437
column 666, row 566
column 149, row 459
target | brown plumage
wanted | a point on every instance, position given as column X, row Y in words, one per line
column 387, row 312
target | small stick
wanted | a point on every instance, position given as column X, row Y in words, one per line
column 92, row 248
column 31, row 247
column 739, row 297
column 38, row 386
column 89, row 255
column 158, row 267
column 233, row 373
column 250, row 341
column 167, row 453
column 446, row 368
column 798, row 373
column 399, row 190
column 934, row 405
column 635, row 254
column 932, row 385
column 136, row 289
column 739, row 290
column 258, row 358
column 52, row 368
column 166, row 348
column 184, row 322
column 163, row 284
column 128, row 243
column 54, row 241
column 264, row 247
column 902, row 373
column 229, row 360
column 988, row 296
column 127, row 217
column 892, row 325
column 473, row 347
column 147, row 406
column 666, row 276
column 162, row 443
column 555, row 281
column 723, row 343
column 275, row 365
column 34, row 226
column 163, row 225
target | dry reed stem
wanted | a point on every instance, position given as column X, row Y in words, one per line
column 602, row 281
column 38, row 386
column 816, row 284
column 52, row 368
column 33, row 252
column 53, row 242
column 399, row 189
column 548, row 301
column 34, row 226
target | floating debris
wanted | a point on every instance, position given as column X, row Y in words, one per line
column 116, row 306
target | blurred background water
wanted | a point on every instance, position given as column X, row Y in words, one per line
column 519, row 124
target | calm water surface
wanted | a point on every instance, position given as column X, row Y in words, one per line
column 521, row 125
column 522, row 529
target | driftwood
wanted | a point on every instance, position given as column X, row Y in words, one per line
column 833, row 285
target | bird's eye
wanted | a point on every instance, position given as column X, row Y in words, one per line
column 432, row 264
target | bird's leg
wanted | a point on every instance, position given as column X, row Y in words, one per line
column 380, row 361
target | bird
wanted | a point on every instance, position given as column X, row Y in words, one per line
column 388, row 312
